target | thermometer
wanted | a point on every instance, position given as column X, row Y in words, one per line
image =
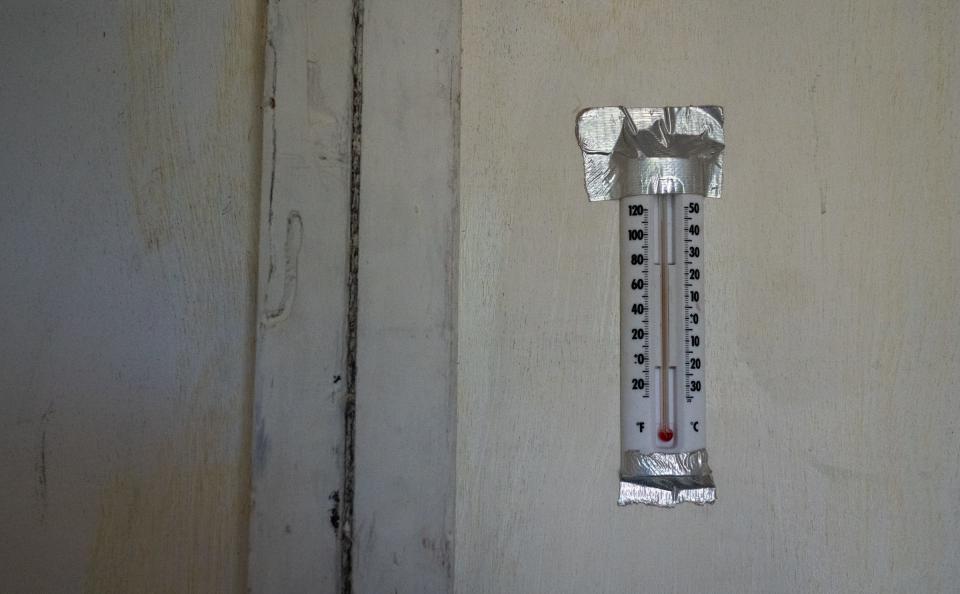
column 660, row 164
column 661, row 323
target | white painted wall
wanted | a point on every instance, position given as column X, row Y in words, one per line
column 129, row 187
column 833, row 270
column 129, row 160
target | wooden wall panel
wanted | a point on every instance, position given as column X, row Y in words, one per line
column 129, row 184
column 833, row 269
column 298, row 433
column 403, row 531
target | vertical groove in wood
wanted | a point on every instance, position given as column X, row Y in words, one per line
column 349, row 417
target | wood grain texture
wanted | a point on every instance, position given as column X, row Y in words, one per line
column 832, row 276
column 302, row 311
column 129, row 176
column 403, row 531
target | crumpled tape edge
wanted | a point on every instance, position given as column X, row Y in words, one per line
column 665, row 479
column 599, row 128
column 667, row 491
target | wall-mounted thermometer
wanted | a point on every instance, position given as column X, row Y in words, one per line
column 660, row 163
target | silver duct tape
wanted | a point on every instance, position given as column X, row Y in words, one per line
column 666, row 479
column 662, row 493
column 636, row 463
column 651, row 150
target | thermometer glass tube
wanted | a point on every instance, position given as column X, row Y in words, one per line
column 661, row 322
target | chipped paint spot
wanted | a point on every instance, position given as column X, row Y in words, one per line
column 334, row 499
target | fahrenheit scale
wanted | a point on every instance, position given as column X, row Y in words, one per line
column 661, row 323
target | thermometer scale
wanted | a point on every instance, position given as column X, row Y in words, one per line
column 660, row 164
column 661, row 321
